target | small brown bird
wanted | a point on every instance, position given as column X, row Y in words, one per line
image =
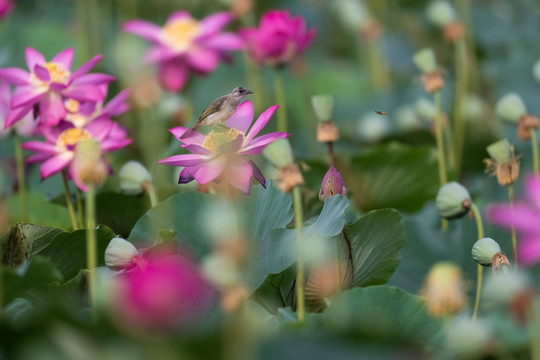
column 220, row 109
column 380, row 112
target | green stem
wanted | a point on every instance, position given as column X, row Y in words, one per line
column 19, row 160
column 80, row 209
column 69, row 203
column 460, row 125
column 152, row 194
column 534, row 143
column 279, row 88
column 480, row 271
column 298, row 218
column 91, row 248
column 338, row 265
column 94, row 26
column 379, row 69
column 513, row 229
column 253, row 76
column 440, row 146
column 534, row 331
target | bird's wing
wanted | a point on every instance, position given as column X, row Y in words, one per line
column 215, row 106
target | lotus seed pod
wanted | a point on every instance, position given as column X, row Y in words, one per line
column 444, row 289
column 372, row 127
column 500, row 151
column 120, row 253
column 88, row 166
column 425, row 108
column 132, row 176
column 425, row 60
column 453, row 201
column 484, row 250
column 221, row 270
column 352, row 13
column 466, row 339
column 441, row 13
column 474, row 108
column 323, row 105
column 279, row 153
column 510, row 107
column 536, row 70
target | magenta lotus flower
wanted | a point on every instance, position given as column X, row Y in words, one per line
column 224, row 155
column 81, row 114
column 48, row 84
column 279, row 39
column 524, row 218
column 58, row 151
column 5, row 7
column 332, row 184
column 26, row 127
column 185, row 44
column 163, row 295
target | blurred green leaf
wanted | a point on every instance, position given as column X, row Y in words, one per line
column 19, row 312
column 394, row 176
column 120, row 212
column 384, row 312
column 277, row 291
column 40, row 211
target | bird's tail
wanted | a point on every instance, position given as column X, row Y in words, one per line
column 193, row 128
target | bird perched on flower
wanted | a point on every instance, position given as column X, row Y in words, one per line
column 220, row 109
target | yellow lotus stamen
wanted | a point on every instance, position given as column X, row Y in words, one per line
column 58, row 73
column 215, row 139
column 72, row 105
column 179, row 34
column 70, row 137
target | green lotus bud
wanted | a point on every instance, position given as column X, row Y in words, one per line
column 120, row 254
column 466, row 339
column 510, row 107
column 536, row 70
column 323, row 106
column 484, row 250
column 441, row 13
column 425, row 108
column 453, row 201
column 500, row 151
column 279, row 153
column 132, row 176
column 425, row 60
column 372, row 127
column 352, row 13
column 474, row 107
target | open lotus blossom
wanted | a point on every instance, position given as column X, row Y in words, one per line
column 224, row 154
column 184, row 44
column 5, row 7
column 81, row 114
column 279, row 39
column 523, row 216
column 27, row 126
column 58, row 151
column 48, row 84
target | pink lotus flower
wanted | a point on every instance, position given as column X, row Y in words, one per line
column 185, row 44
column 162, row 295
column 26, row 127
column 332, row 184
column 223, row 155
column 49, row 83
column 5, row 7
column 58, row 151
column 279, row 39
column 524, row 217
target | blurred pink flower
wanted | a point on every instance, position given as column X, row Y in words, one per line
column 185, row 44
column 164, row 294
column 332, row 184
column 58, row 151
column 26, row 127
column 524, row 216
column 5, row 7
column 223, row 155
column 49, row 83
column 279, row 39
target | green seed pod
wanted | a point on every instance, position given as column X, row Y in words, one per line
column 510, row 107
column 425, row 60
column 323, row 105
column 453, row 201
column 441, row 13
column 484, row 250
column 132, row 176
column 279, row 153
column 500, row 151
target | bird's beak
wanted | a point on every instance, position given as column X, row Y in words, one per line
column 249, row 92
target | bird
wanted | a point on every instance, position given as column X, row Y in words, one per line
column 220, row 109
column 380, row 112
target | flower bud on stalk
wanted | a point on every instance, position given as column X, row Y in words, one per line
column 431, row 77
column 503, row 163
column 453, row 201
column 487, row 252
column 133, row 176
column 89, row 167
column 279, row 153
column 323, row 106
column 332, row 184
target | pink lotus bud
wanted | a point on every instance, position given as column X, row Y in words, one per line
column 332, row 184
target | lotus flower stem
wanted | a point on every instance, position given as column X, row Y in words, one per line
column 330, row 146
column 69, row 203
column 480, row 229
column 440, row 146
column 460, row 124
column 280, row 99
column 91, row 247
column 298, row 218
column 151, row 191
column 253, row 75
column 80, row 208
column 379, row 68
column 513, row 229
column 19, row 160
column 534, row 143
column 338, row 265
